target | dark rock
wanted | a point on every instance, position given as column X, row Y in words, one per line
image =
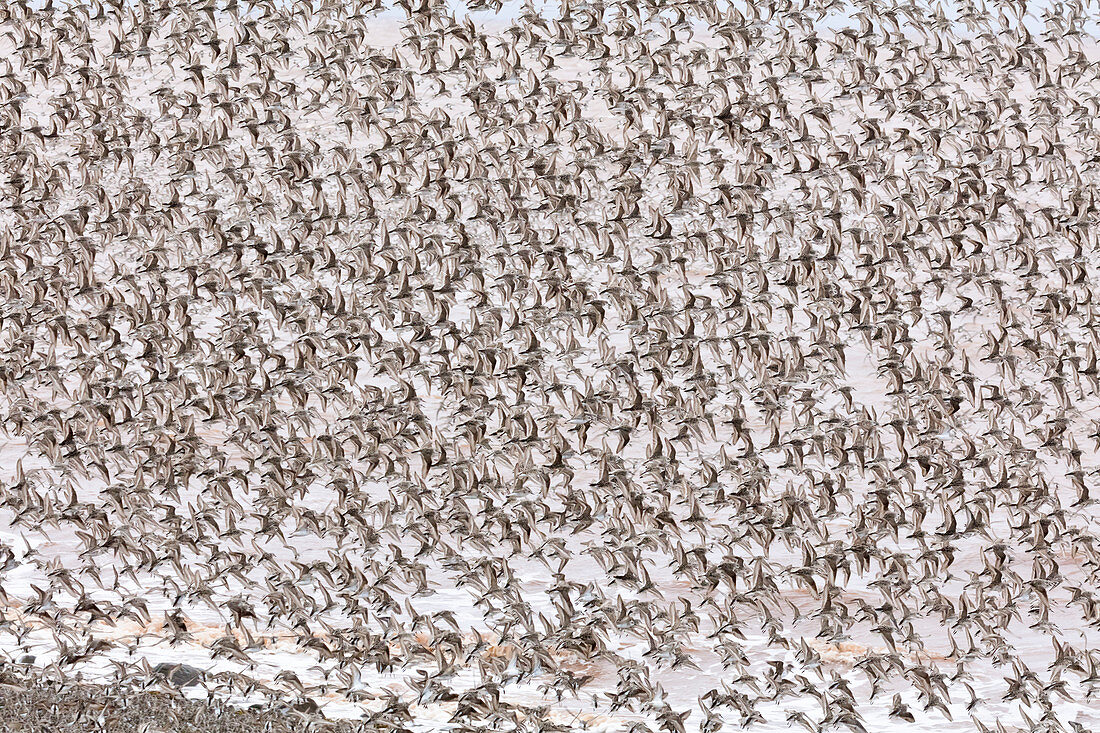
column 178, row 675
column 305, row 705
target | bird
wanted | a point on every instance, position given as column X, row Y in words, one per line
column 686, row 364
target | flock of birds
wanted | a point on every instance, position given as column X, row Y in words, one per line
column 661, row 365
